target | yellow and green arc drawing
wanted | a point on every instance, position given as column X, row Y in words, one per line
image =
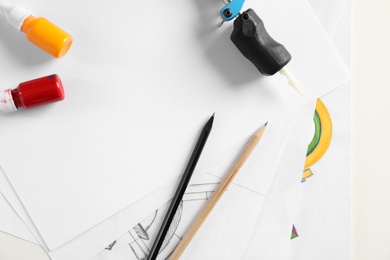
column 321, row 139
column 318, row 145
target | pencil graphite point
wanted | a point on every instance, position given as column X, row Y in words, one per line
column 209, row 123
column 266, row 123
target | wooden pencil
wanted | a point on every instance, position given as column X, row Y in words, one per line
column 217, row 194
column 181, row 189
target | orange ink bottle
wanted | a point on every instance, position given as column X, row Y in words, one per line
column 40, row 31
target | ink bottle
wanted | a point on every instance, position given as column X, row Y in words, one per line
column 33, row 93
column 40, row 31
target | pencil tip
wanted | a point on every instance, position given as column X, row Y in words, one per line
column 213, row 114
column 266, row 123
column 209, row 123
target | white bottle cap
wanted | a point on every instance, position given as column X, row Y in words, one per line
column 6, row 102
column 15, row 15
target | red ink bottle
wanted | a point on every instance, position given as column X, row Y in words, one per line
column 33, row 93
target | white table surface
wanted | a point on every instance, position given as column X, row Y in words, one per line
column 370, row 138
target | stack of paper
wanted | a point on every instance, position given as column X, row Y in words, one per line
column 140, row 82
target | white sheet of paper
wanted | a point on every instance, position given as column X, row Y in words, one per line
column 93, row 240
column 273, row 230
column 230, row 225
column 328, row 13
column 322, row 234
column 322, row 217
column 325, row 233
column 11, row 223
column 243, row 224
column 140, row 80
column 101, row 235
column 255, row 170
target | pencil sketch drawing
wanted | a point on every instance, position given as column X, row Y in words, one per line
column 136, row 244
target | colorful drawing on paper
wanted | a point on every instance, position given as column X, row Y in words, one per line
column 318, row 145
column 321, row 138
column 294, row 232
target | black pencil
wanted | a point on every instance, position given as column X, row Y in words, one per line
column 180, row 189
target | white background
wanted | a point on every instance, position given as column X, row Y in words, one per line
column 370, row 137
column 370, row 141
